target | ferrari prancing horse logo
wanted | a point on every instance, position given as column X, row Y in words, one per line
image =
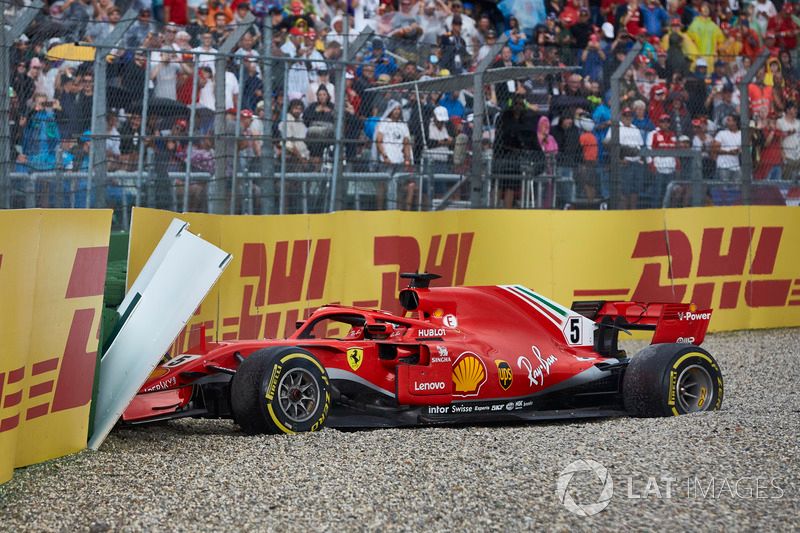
column 355, row 356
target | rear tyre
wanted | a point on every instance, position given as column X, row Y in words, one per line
column 280, row 390
column 672, row 380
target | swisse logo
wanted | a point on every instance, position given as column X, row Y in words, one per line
column 429, row 386
column 694, row 316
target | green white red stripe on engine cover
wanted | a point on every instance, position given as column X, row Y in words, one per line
column 576, row 329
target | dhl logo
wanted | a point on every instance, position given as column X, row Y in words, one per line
column 719, row 276
column 278, row 277
column 59, row 383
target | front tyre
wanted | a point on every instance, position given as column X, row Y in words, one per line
column 672, row 380
column 280, row 390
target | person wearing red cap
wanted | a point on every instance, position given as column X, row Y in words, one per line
column 702, row 142
column 784, row 28
column 662, row 168
column 770, row 153
column 677, row 35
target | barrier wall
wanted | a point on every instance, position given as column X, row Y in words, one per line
column 52, row 271
column 742, row 261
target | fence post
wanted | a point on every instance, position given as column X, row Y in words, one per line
column 267, row 147
column 613, row 157
column 215, row 203
column 190, row 145
column 143, row 131
column 97, row 154
column 340, row 98
column 744, row 108
column 7, row 37
column 284, row 111
column 477, row 194
column 237, row 131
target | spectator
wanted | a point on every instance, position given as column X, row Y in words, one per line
column 322, row 80
column 587, row 177
column 405, row 28
column 468, row 26
column 504, row 90
column 139, row 30
column 592, row 59
column 784, row 28
column 431, row 21
column 133, row 77
column 641, row 120
column 440, row 140
column 722, row 104
column 77, row 14
column 663, row 168
column 631, row 169
column 455, row 56
column 513, row 144
column 207, row 58
column 570, row 153
column 703, row 143
column 706, row 34
column 727, row 148
column 789, row 128
column 252, row 85
column 164, row 69
column 393, row 146
column 384, row 64
column 41, row 136
column 293, row 130
column 770, row 156
column 98, row 30
column 298, row 71
column 319, row 119
column 176, row 12
column 654, row 17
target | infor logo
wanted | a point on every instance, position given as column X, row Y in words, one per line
column 565, row 488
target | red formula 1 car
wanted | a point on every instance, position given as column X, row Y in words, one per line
column 464, row 354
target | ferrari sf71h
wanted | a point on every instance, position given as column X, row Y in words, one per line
column 459, row 355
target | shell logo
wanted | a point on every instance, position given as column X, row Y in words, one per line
column 469, row 373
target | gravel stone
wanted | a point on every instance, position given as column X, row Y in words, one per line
column 734, row 469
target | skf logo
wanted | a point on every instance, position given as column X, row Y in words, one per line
column 721, row 278
column 504, row 374
column 469, row 374
column 355, row 356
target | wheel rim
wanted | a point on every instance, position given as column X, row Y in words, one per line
column 695, row 389
column 298, row 395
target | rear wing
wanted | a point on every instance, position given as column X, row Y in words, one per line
column 669, row 322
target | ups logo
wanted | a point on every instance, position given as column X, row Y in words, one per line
column 504, row 374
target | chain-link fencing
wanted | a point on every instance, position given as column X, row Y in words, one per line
column 255, row 115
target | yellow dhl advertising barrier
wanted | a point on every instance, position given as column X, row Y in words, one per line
column 52, row 273
column 743, row 262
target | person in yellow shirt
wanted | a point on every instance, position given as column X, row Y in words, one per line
column 706, row 34
column 731, row 48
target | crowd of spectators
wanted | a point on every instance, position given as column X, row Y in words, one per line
column 683, row 90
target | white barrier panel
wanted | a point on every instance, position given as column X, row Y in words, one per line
column 176, row 278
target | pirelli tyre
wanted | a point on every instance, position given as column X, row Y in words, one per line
column 672, row 380
column 280, row 390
